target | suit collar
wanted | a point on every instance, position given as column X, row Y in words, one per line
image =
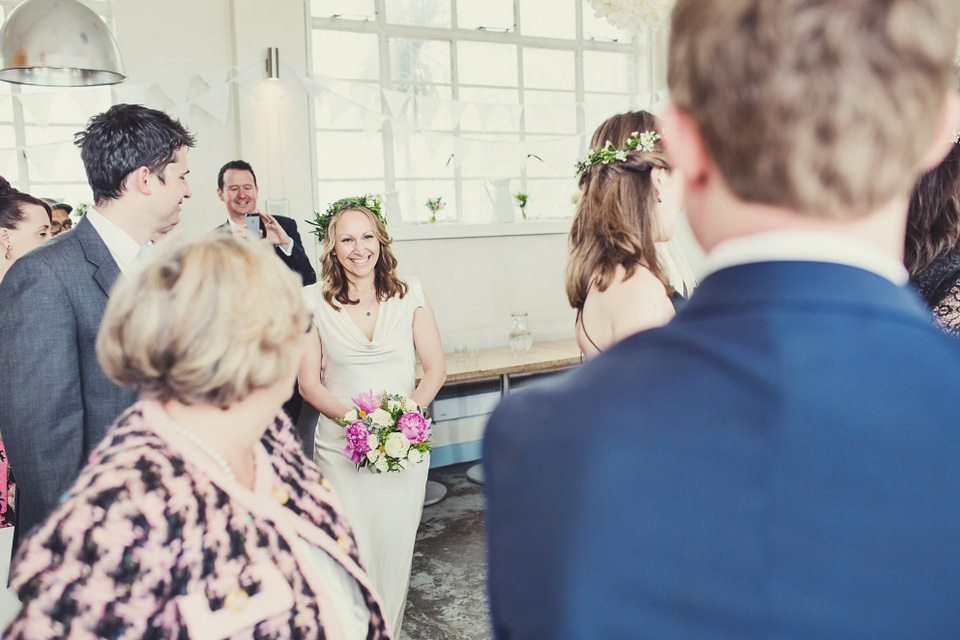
column 810, row 245
column 802, row 283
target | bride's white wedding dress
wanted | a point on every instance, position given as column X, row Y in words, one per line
column 383, row 509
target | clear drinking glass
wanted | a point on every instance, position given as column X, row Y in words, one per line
column 520, row 338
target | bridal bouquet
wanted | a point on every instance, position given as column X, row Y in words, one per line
column 385, row 432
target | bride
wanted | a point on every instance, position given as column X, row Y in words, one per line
column 369, row 328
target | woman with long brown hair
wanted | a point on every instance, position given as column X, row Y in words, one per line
column 932, row 248
column 369, row 329
column 630, row 199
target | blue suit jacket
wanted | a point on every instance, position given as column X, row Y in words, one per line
column 55, row 401
column 780, row 461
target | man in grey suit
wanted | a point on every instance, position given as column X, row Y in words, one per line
column 56, row 403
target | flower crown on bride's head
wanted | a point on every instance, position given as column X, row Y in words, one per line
column 645, row 142
column 321, row 221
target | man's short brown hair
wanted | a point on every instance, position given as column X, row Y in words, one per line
column 824, row 107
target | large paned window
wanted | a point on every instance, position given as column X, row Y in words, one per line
column 37, row 126
column 464, row 99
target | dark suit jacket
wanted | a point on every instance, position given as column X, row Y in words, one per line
column 55, row 401
column 297, row 260
column 780, row 461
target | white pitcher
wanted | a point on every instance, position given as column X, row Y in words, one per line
column 500, row 199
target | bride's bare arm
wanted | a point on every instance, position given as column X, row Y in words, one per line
column 309, row 379
column 426, row 340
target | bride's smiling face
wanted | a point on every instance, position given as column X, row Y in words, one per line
column 357, row 247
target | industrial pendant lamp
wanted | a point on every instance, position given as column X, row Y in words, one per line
column 58, row 43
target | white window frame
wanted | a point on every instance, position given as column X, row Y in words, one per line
column 639, row 47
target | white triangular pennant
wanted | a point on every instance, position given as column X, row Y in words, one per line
column 396, row 101
column 372, row 122
column 216, row 102
column 88, row 100
column 214, row 77
column 433, row 140
column 176, row 89
column 38, row 104
column 8, row 162
column 456, row 111
column 426, row 111
column 42, row 158
column 486, row 112
column 250, row 79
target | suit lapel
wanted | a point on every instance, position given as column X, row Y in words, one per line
column 97, row 253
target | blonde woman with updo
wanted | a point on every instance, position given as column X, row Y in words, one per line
column 630, row 199
column 370, row 328
column 198, row 515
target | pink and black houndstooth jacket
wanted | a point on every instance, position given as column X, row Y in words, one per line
column 154, row 542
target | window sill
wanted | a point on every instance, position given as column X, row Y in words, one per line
column 448, row 230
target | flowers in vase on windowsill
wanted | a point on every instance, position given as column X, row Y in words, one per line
column 521, row 199
column 435, row 205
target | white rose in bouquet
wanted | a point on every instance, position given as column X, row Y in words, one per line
column 396, row 445
column 373, row 455
column 415, row 456
column 394, row 405
column 351, row 416
column 372, row 442
column 382, row 418
column 381, row 465
column 410, row 405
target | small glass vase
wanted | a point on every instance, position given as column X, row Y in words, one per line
column 520, row 338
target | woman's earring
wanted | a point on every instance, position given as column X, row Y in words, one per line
column 660, row 200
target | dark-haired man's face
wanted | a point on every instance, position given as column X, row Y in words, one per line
column 239, row 193
column 170, row 194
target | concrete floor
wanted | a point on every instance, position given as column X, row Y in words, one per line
column 447, row 599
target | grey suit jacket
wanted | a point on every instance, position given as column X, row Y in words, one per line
column 55, row 403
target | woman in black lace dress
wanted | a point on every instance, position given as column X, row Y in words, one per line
column 932, row 250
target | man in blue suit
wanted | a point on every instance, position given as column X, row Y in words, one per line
column 55, row 401
column 783, row 459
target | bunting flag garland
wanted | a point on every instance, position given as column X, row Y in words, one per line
column 481, row 137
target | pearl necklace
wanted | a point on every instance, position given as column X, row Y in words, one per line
column 206, row 448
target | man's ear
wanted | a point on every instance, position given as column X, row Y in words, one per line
column 220, row 193
column 943, row 139
column 138, row 180
column 685, row 147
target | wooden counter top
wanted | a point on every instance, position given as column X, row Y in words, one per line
column 493, row 363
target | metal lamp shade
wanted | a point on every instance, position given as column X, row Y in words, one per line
column 58, row 43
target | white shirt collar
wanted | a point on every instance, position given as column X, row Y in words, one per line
column 123, row 248
column 806, row 246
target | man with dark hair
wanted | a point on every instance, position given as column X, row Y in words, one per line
column 781, row 459
column 237, row 187
column 59, row 216
column 56, row 403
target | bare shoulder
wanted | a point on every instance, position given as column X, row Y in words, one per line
column 637, row 302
